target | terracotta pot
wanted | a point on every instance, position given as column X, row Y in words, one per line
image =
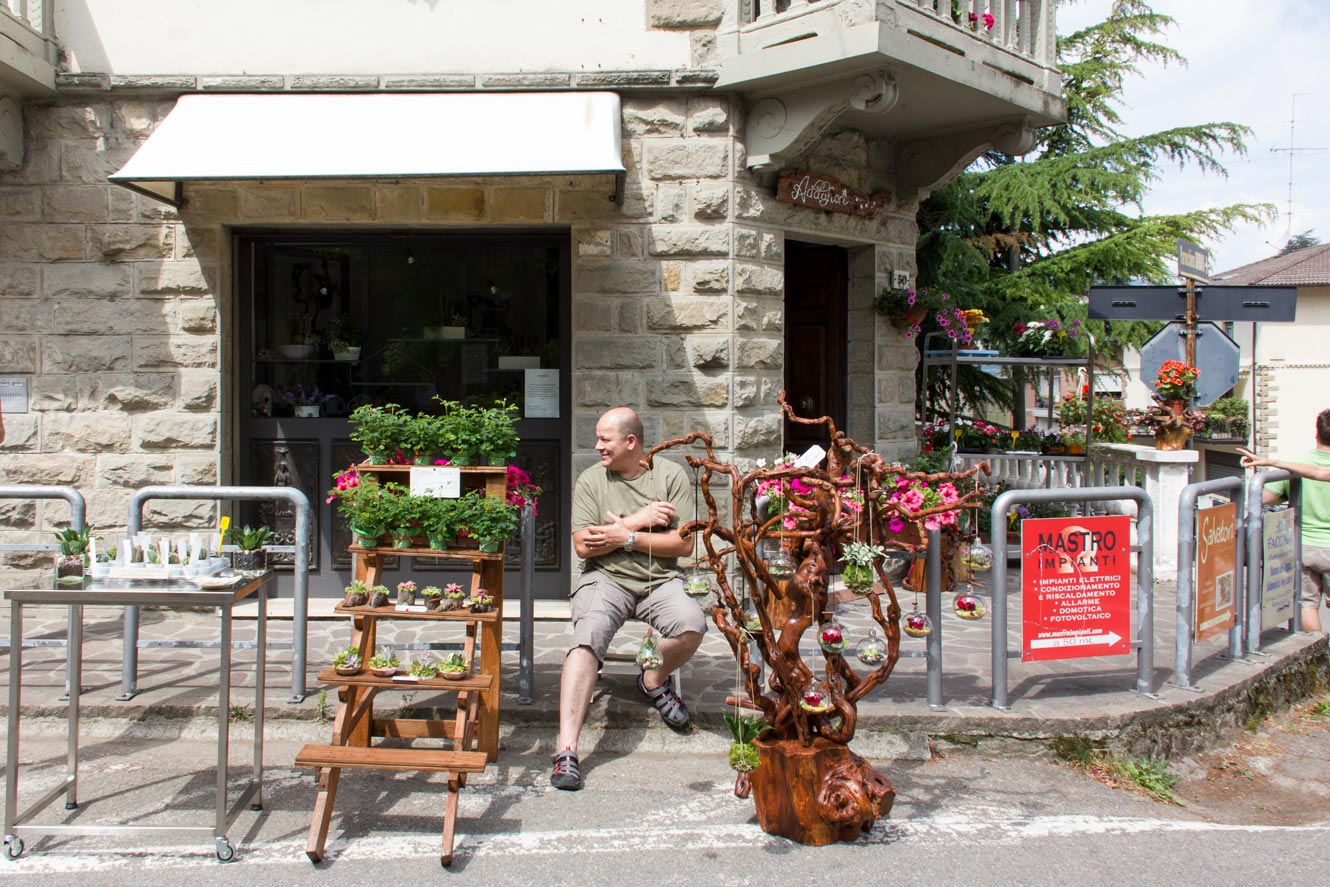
column 1176, row 406
column 909, row 320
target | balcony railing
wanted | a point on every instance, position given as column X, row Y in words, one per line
column 1022, row 27
column 36, row 15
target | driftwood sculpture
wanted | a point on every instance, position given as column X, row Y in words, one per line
column 808, row 786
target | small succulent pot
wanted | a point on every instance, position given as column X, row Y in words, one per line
column 378, row 596
column 383, row 671
column 355, row 598
column 431, row 596
column 69, row 569
column 347, row 662
column 481, row 602
column 453, row 667
column 452, row 674
column 433, row 603
column 250, row 561
column 452, row 602
column 406, row 593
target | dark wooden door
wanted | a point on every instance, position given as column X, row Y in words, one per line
column 815, row 332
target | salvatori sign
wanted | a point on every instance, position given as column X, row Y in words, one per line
column 824, row 192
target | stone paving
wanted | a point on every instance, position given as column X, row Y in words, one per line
column 1093, row 695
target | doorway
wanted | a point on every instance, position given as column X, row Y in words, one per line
column 341, row 320
column 815, row 338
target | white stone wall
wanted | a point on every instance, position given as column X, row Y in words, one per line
column 120, row 308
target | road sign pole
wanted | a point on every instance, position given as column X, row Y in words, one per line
column 1191, row 323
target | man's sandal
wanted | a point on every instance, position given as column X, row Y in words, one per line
column 672, row 710
column 567, row 773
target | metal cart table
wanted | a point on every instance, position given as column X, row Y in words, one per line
column 126, row 593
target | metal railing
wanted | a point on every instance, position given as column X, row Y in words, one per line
column 300, row 614
column 1144, row 549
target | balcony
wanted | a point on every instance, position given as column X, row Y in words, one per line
column 27, row 67
column 930, row 75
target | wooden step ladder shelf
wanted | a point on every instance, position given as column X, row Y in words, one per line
column 473, row 732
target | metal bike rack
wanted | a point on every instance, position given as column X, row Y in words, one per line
column 1255, row 487
column 1144, row 577
column 300, row 615
column 1186, row 580
column 78, row 510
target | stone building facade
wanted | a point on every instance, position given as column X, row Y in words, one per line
column 122, row 311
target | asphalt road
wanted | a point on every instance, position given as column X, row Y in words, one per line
column 644, row 818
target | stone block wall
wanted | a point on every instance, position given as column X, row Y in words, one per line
column 120, row 308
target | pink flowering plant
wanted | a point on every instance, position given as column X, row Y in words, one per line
column 521, row 490
column 916, row 499
column 906, row 308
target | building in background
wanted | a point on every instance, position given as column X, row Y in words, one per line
column 573, row 204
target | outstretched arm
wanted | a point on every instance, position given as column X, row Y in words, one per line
column 1301, row 469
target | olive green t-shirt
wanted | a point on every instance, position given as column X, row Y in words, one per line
column 600, row 490
column 1315, row 517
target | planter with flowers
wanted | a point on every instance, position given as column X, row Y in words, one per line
column 307, row 403
column 1047, row 338
column 906, row 308
column 1109, row 424
column 977, row 436
column 1172, row 419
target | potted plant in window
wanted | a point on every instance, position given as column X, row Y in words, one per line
column 252, row 557
column 70, row 564
column 345, row 338
column 307, row 402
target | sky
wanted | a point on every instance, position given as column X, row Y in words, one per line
column 1246, row 61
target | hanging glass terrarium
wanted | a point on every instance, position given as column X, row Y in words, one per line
column 872, row 651
column 648, row 656
column 916, row 624
column 830, row 636
column 780, row 565
column 968, row 605
column 816, row 699
column 978, row 557
column 697, row 582
column 752, row 622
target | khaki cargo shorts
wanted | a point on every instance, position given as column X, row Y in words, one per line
column 1315, row 566
column 601, row 606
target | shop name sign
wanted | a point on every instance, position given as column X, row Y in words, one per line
column 824, row 192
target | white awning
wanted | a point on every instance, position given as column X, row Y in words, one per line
column 381, row 135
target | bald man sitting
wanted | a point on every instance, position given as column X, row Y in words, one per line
column 626, row 521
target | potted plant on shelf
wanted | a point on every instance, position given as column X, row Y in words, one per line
column 378, row 596
column 406, row 593
column 346, row 661
column 432, row 595
column 379, row 431
column 400, row 512
column 307, row 402
column 252, row 557
column 423, row 668
column 454, row 598
column 490, row 521
column 1073, row 441
column 1047, row 338
column 70, row 564
column 359, row 500
column 857, row 571
column 383, row 663
column 453, row 667
column 421, row 437
column 437, row 517
column 345, row 338
column 481, row 601
column 356, row 594
column 976, row 436
column 499, row 432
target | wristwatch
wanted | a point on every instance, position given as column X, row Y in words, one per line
column 632, row 540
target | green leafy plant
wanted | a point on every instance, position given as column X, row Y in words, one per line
column 499, row 428
column 438, row 517
column 379, row 430
column 423, row 668
column 249, row 538
column 378, row 596
column 857, row 572
column 74, row 542
column 743, row 754
column 383, row 659
column 345, row 334
column 356, row 594
column 431, row 591
column 453, row 663
column 422, row 437
column 487, row 518
column 347, row 657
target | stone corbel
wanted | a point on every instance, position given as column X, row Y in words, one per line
column 11, row 132
column 924, row 165
column 779, row 128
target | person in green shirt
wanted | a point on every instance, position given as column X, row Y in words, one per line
column 1314, row 466
column 625, row 519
